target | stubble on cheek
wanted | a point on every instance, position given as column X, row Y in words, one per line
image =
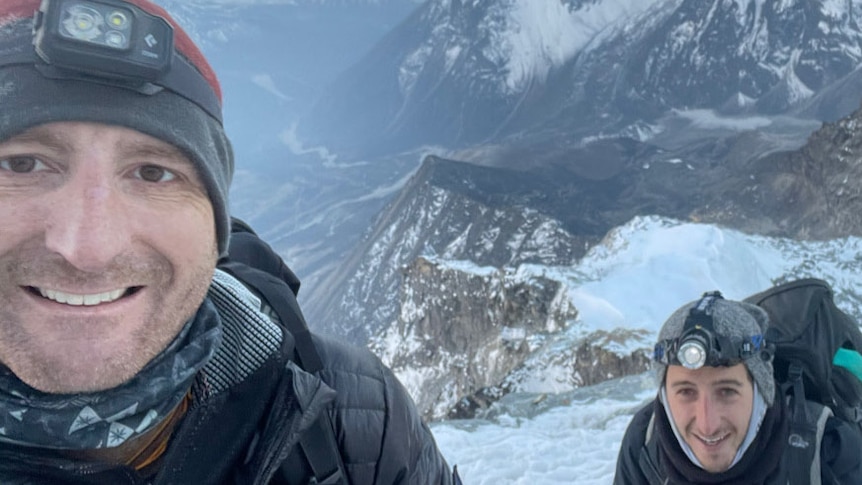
column 72, row 355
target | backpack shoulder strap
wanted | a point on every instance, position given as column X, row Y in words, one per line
column 277, row 285
column 807, row 423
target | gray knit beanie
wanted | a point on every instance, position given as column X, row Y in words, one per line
column 731, row 319
column 28, row 99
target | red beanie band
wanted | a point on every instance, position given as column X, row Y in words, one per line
column 13, row 10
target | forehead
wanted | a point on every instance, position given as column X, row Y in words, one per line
column 69, row 136
column 706, row 375
column 71, row 131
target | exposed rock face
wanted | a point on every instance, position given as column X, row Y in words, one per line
column 450, row 210
column 591, row 361
column 748, row 182
column 815, row 192
column 595, row 363
column 464, row 331
column 468, row 335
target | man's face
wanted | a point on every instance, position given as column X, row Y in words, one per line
column 711, row 408
column 107, row 247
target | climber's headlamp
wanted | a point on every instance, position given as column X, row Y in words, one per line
column 112, row 42
column 700, row 345
column 111, row 38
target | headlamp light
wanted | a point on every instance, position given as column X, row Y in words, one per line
column 81, row 23
column 117, row 19
column 692, row 355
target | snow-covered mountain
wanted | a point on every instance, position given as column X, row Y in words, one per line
column 597, row 87
column 458, row 73
column 560, row 74
column 555, row 129
column 463, row 339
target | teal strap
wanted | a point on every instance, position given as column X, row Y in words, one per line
column 850, row 360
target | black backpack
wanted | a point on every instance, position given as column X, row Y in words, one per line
column 807, row 331
column 253, row 262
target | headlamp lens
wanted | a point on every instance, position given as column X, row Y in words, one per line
column 117, row 19
column 115, row 39
column 692, row 355
column 81, row 23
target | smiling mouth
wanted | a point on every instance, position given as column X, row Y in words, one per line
column 73, row 299
column 712, row 441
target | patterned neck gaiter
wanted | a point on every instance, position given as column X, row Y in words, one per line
column 109, row 418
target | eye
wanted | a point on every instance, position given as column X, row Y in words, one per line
column 727, row 392
column 22, row 164
column 686, row 393
column 154, row 174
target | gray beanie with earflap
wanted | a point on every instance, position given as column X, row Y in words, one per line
column 734, row 320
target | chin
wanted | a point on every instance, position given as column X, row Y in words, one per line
column 72, row 376
column 715, row 466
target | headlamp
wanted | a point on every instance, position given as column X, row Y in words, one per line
column 700, row 345
column 111, row 42
column 111, row 38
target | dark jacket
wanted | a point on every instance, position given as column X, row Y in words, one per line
column 251, row 404
column 647, row 455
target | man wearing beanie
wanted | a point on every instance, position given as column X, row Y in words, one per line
column 126, row 356
column 718, row 418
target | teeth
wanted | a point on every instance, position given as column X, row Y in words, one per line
column 712, row 441
column 82, row 300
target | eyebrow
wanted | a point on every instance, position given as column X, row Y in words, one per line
column 146, row 150
column 42, row 136
column 137, row 148
column 719, row 383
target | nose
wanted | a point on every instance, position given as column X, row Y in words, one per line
column 707, row 418
column 87, row 225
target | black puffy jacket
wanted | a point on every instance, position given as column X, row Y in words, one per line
column 641, row 463
column 251, row 404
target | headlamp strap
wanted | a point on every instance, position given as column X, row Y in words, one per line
column 53, row 72
column 721, row 349
column 700, row 315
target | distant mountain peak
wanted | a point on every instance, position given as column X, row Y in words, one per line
column 459, row 73
column 523, row 40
